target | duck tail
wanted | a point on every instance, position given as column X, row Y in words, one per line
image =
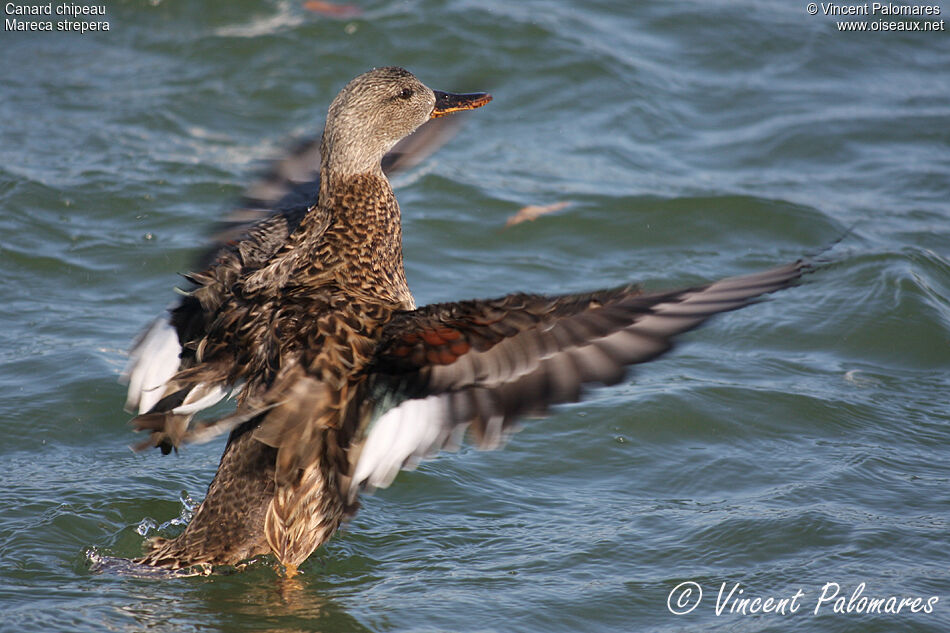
column 302, row 517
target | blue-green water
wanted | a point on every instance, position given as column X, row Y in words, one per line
column 797, row 442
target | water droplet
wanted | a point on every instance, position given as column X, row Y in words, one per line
column 145, row 526
column 188, row 507
column 190, row 504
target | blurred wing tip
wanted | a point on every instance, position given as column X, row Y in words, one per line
column 153, row 360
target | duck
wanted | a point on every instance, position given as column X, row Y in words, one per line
column 340, row 379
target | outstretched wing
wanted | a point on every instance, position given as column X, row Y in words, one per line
column 480, row 365
column 244, row 240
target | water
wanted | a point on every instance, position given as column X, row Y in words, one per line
column 794, row 443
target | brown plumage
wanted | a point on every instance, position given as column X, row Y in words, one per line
column 340, row 380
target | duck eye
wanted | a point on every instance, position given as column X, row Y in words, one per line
column 405, row 93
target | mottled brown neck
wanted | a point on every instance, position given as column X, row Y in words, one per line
column 365, row 237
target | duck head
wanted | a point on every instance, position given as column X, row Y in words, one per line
column 378, row 109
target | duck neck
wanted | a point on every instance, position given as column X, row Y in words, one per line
column 349, row 149
column 365, row 235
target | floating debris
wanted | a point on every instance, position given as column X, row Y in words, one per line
column 333, row 10
column 533, row 212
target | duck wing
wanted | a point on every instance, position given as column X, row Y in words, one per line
column 480, row 365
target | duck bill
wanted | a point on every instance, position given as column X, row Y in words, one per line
column 446, row 102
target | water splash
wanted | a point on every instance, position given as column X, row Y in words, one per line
column 148, row 525
column 145, row 526
column 100, row 563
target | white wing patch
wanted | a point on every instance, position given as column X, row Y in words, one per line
column 152, row 362
column 400, row 438
column 201, row 397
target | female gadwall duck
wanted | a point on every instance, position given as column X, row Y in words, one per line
column 340, row 380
